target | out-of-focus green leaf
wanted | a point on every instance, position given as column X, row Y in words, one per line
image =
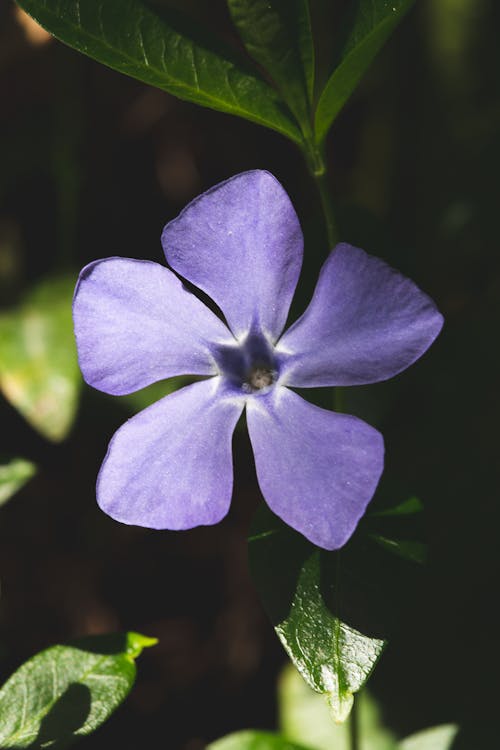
column 147, row 396
column 254, row 740
column 66, row 692
column 368, row 28
column 406, row 508
column 437, row 738
column 305, row 717
column 333, row 658
column 39, row 372
column 408, row 549
column 149, row 43
column 277, row 33
column 13, row 475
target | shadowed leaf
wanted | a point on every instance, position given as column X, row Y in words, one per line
column 277, row 34
column 367, row 29
column 66, row 692
column 152, row 44
column 334, row 658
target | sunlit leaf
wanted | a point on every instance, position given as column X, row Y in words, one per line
column 334, row 658
column 66, row 692
column 437, row 738
column 39, row 372
column 277, row 33
column 367, row 30
column 306, row 718
column 254, row 740
column 13, row 475
column 151, row 43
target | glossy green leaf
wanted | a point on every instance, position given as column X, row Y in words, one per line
column 408, row 549
column 66, row 692
column 149, row 43
column 305, row 717
column 13, row 475
column 368, row 29
column 254, row 740
column 437, row 738
column 334, row 658
column 39, row 371
column 277, row 34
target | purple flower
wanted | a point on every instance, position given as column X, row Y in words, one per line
column 170, row 466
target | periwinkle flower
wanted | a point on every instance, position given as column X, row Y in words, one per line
column 170, row 466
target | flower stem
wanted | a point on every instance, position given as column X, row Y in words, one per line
column 354, row 727
column 327, row 206
column 315, row 159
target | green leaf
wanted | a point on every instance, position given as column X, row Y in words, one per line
column 437, row 738
column 254, row 740
column 39, row 371
column 66, row 692
column 154, row 392
column 306, row 718
column 334, row 658
column 13, row 475
column 408, row 549
column 407, row 508
column 149, row 43
column 277, row 34
column 369, row 27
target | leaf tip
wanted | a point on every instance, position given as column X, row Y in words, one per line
column 137, row 642
column 340, row 706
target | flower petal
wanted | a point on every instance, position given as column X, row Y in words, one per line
column 365, row 323
column 170, row 466
column 241, row 243
column 317, row 469
column 136, row 324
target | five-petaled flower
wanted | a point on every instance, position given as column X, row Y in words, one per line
column 170, row 466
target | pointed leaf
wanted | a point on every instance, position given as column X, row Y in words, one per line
column 306, row 718
column 277, row 33
column 369, row 28
column 334, row 658
column 39, row 371
column 66, row 692
column 437, row 738
column 148, row 43
column 251, row 739
column 408, row 549
column 407, row 508
column 13, row 475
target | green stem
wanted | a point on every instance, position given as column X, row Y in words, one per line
column 354, row 727
column 314, row 157
column 327, row 206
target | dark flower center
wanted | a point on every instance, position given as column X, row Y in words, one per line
column 250, row 366
column 259, row 377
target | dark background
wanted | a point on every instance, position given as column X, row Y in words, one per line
column 94, row 164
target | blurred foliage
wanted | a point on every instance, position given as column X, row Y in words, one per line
column 304, row 717
column 13, row 475
column 39, row 371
